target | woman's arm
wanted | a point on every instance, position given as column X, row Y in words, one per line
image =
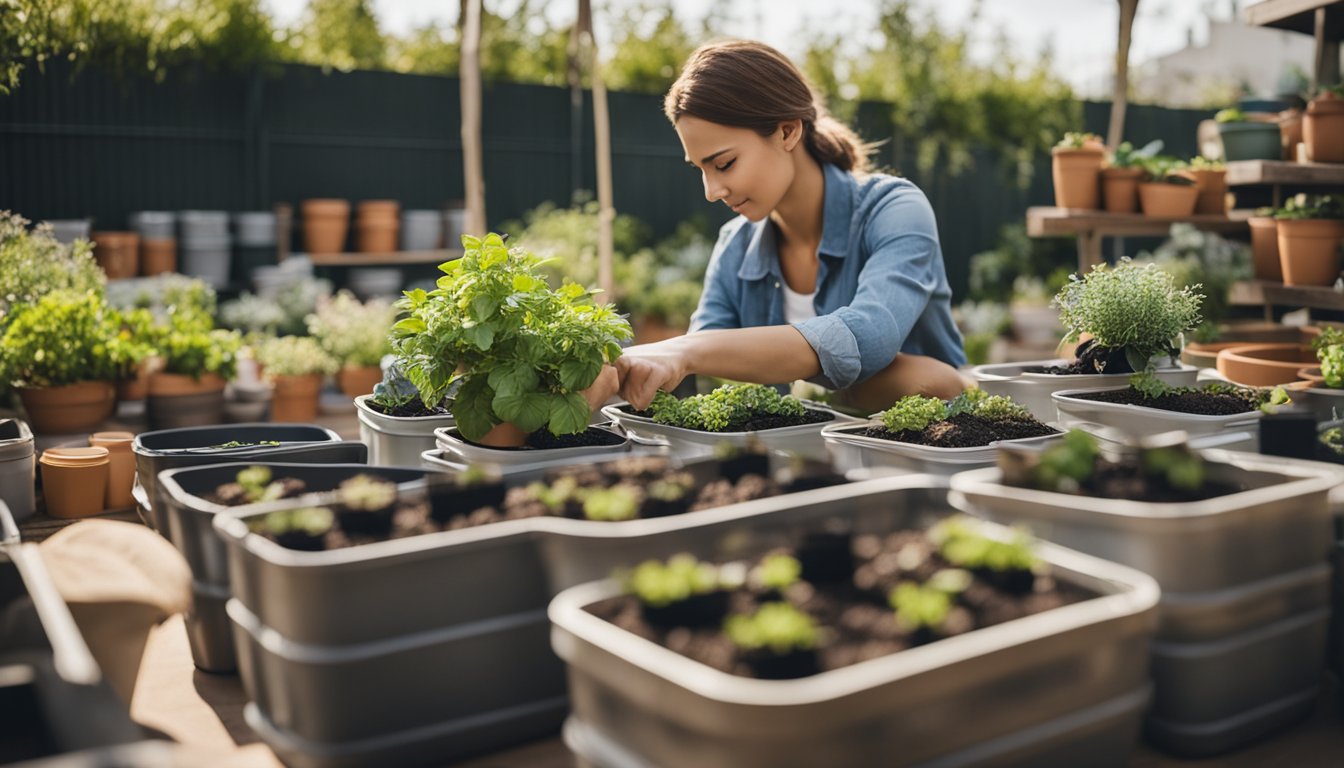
column 763, row 355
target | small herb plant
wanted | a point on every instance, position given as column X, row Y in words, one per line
column 33, row 263
column 727, row 407
column 189, row 346
column 777, row 572
column 257, row 486
column 295, row 356
column 521, row 351
column 1177, row 466
column 1151, row 387
column 1332, row 365
column 682, row 577
column 778, row 627
column 916, row 412
column 353, row 332
column 1064, row 467
column 1202, row 163
column 1311, row 207
column 964, row 547
column 368, row 494
column 1126, row 156
column 1132, row 307
column 927, row 605
column 619, row 502
column 1166, row 170
column 394, row 391
column 1079, row 140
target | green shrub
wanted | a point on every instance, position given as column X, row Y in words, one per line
column 294, row 356
column 33, row 264
column 64, row 338
column 353, row 332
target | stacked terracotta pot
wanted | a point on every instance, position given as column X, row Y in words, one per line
column 1323, row 128
column 1076, row 172
column 158, row 241
column 325, row 222
column 376, row 226
column 117, row 253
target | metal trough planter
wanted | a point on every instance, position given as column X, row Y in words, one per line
column 1033, row 390
column 852, row 450
column 1064, row 687
column 1241, row 641
column 397, row 441
column 803, row 440
column 1139, row 420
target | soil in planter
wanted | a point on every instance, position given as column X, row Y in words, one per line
column 760, row 422
column 1091, row 359
column 1183, row 401
column 543, row 439
column 858, row 624
column 964, row 430
column 415, row 408
column 234, row 495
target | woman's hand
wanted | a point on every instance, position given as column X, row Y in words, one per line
column 602, row 389
column 646, row 368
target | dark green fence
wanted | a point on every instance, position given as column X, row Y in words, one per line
column 90, row 145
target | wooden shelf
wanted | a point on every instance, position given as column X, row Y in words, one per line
column 1063, row 222
column 1259, row 292
column 1248, row 172
column 391, row 259
column 1298, row 16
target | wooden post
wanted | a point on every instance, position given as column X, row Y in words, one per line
column 606, row 213
column 472, row 164
column 1120, row 91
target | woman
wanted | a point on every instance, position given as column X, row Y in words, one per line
column 829, row 273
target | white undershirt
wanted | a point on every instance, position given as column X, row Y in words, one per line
column 797, row 306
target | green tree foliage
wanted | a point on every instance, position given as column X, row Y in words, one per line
column 342, row 34
column 650, row 46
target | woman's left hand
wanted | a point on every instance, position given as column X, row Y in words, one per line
column 646, row 368
column 603, row 388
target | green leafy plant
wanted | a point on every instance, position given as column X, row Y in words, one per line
column 1333, row 439
column 914, row 412
column 1276, row 397
column 1332, row 365
column 556, row 495
column 313, row 521
column 1000, row 407
column 1148, row 385
column 619, row 502
column 777, row 572
column 34, row 263
column 353, row 332
column 1202, row 163
column 395, row 390
column 521, row 352
column 659, row 584
column 961, row 545
column 728, row 406
column 1079, row 140
column 1230, row 115
column 368, row 493
column 779, row 627
column 1126, row 156
column 1304, row 206
column 927, row 605
column 1064, row 467
column 188, row 346
column 64, row 338
column 1129, row 306
column 294, row 356
column 1177, row 466
column 257, row 485
column 1166, row 170
column 1329, row 336
column 664, row 489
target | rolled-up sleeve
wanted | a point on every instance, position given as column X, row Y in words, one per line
column 856, row 341
column 718, row 307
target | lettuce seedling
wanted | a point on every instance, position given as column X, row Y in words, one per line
column 1064, row 467
column 913, row 413
column 927, row 605
column 727, row 407
column 965, row 547
column 682, row 577
column 257, row 485
column 619, row 502
column 1177, row 466
column 368, row 494
column 777, row 572
column 778, row 627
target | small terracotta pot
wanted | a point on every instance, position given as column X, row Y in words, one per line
column 378, row 210
column 377, row 236
column 1212, row 186
column 1167, row 201
column 70, row 409
column 121, row 467
column 117, row 253
column 157, row 257
column 1323, row 129
column 296, row 397
column 324, row 225
column 1312, row 376
column 1265, row 248
column 1120, row 189
column 1264, row 365
column 356, row 381
column 504, row 435
column 1309, row 250
column 1077, row 174
column 74, row 480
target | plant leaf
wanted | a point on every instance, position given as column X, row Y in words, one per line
column 471, row 409
column 480, row 335
column 577, row 375
column 569, row 414
column 528, row 410
column 514, row 380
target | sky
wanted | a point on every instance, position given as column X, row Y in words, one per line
column 1081, row 33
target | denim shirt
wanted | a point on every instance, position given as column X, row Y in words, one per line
column 881, row 286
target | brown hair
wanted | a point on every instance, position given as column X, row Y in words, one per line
column 746, row 84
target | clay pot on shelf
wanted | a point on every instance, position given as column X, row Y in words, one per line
column 324, row 225
column 158, row 256
column 1167, row 201
column 1077, row 174
column 356, row 381
column 1265, row 262
column 1212, row 186
column 1264, row 365
column 1323, row 129
column 1120, row 189
column 70, row 409
column 295, row 398
column 1309, row 250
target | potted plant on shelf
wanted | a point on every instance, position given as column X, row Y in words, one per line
column 136, row 339
column 1120, row 178
column 520, row 353
column 1167, row 190
column 355, row 334
column 1134, row 317
column 1310, row 230
column 1075, row 164
column 1246, row 139
column 1211, row 180
column 296, row 366
column 1265, row 258
column 1323, row 126
column 63, row 354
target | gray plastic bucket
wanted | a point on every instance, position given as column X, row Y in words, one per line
column 153, row 225
column 16, row 468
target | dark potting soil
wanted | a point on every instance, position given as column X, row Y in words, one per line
column 1126, row 480
column 964, row 430
column 410, row 410
column 858, row 622
column 1090, row 359
column 233, row 494
column 543, row 438
column 1200, row 403
column 761, row 422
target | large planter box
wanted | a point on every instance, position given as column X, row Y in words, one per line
column 1241, row 578
column 804, row 440
column 852, row 450
column 1064, row 687
column 188, row 514
column 1033, row 390
column 455, row 448
column 315, row 629
column 396, row 441
column 1089, row 415
column 189, row 447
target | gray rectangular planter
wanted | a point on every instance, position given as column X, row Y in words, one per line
column 1242, row 578
column 396, row 441
column 17, row 467
column 1066, row 686
column 804, row 440
column 852, row 450
column 188, row 514
column 1033, row 389
column 188, row 447
column 314, row 628
column 1074, row 412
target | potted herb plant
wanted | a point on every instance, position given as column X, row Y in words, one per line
column 1133, row 316
column 1120, row 178
column 396, row 424
column 196, row 361
column 1245, row 139
column 521, row 353
column 1075, row 164
column 1211, row 180
column 925, row 434
column 296, row 365
column 1323, row 126
column 1167, row 190
column 1310, row 230
column 1198, row 523
column 355, row 334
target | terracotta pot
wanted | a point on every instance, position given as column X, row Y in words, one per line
column 1203, row 355
column 378, row 210
column 1312, row 376
column 1120, row 189
column 1212, row 186
column 1265, row 248
column 157, row 257
column 376, row 236
column 1290, row 132
column 324, row 225
column 354, row 382
column 117, row 253
column 74, row 480
column 1167, row 201
column 1264, row 365
column 120, row 469
column 504, row 435
column 1077, row 174
column 176, row 400
column 1323, row 129
column 1309, row 250
column 296, row 397
column 70, row 409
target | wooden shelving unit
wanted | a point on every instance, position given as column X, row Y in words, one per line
column 1283, row 172
column 1091, row 226
column 390, row 259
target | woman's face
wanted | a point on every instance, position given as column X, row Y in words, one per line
column 747, row 171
